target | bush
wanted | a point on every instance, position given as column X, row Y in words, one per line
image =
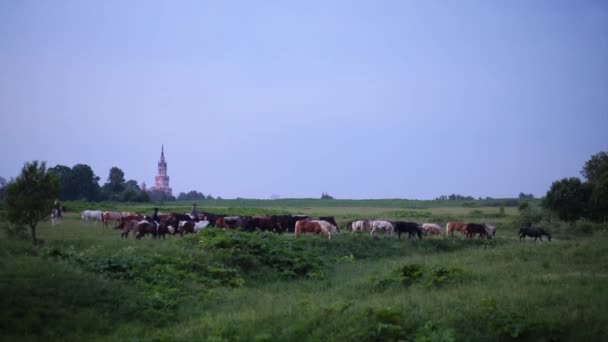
column 160, row 278
column 428, row 277
column 251, row 252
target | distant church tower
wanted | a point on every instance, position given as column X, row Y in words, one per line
column 161, row 181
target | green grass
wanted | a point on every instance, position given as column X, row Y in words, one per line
column 86, row 283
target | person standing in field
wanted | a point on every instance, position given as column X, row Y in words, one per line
column 57, row 208
column 194, row 212
column 155, row 219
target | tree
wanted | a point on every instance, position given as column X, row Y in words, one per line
column 595, row 167
column 2, row 188
column 30, row 197
column 190, row 196
column 528, row 215
column 64, row 176
column 84, row 183
column 77, row 183
column 568, row 198
column 525, row 196
column 158, row 196
column 116, row 180
column 599, row 199
column 132, row 184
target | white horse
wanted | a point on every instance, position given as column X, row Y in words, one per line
column 95, row 215
column 431, row 228
column 490, row 230
column 385, row 226
column 200, row 225
column 361, row 225
column 330, row 227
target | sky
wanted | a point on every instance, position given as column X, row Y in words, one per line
column 358, row 99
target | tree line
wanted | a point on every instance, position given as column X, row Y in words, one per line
column 81, row 183
column 573, row 199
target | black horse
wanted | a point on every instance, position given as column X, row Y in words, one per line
column 536, row 233
column 411, row 228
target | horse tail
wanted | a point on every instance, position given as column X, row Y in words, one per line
column 447, row 229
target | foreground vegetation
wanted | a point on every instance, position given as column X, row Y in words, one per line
column 86, row 283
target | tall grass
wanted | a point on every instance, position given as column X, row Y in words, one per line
column 86, row 283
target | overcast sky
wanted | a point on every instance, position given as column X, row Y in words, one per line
column 359, row 99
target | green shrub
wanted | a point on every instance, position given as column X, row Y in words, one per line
column 417, row 274
column 251, row 252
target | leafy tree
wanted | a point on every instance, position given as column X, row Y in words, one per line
column 599, row 199
column 30, row 197
column 64, row 175
column 191, row 196
column 77, row 183
column 525, row 196
column 595, row 167
column 84, row 183
column 568, row 198
column 132, row 184
column 116, row 180
column 2, row 188
column 528, row 215
column 158, row 196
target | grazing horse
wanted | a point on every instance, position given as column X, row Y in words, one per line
column 200, row 225
column 431, row 229
column 261, row 222
column 411, row 228
column 333, row 229
column 361, row 226
column 144, row 228
column 385, row 226
column 331, row 220
column 209, row 217
column 108, row 216
column 287, row 223
column 126, row 218
column 490, row 230
column 534, row 232
column 95, row 215
column 233, row 221
column 450, row 227
column 307, row 226
column 473, row 228
column 129, row 226
column 186, row 227
column 219, row 222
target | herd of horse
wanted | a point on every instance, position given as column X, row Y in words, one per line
column 326, row 226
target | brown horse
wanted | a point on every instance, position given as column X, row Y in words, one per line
column 108, row 216
column 219, row 222
column 144, row 228
column 314, row 227
column 129, row 226
column 472, row 229
column 127, row 218
column 454, row 226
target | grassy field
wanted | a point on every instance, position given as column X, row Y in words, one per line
column 85, row 283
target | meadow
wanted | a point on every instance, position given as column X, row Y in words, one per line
column 86, row 283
